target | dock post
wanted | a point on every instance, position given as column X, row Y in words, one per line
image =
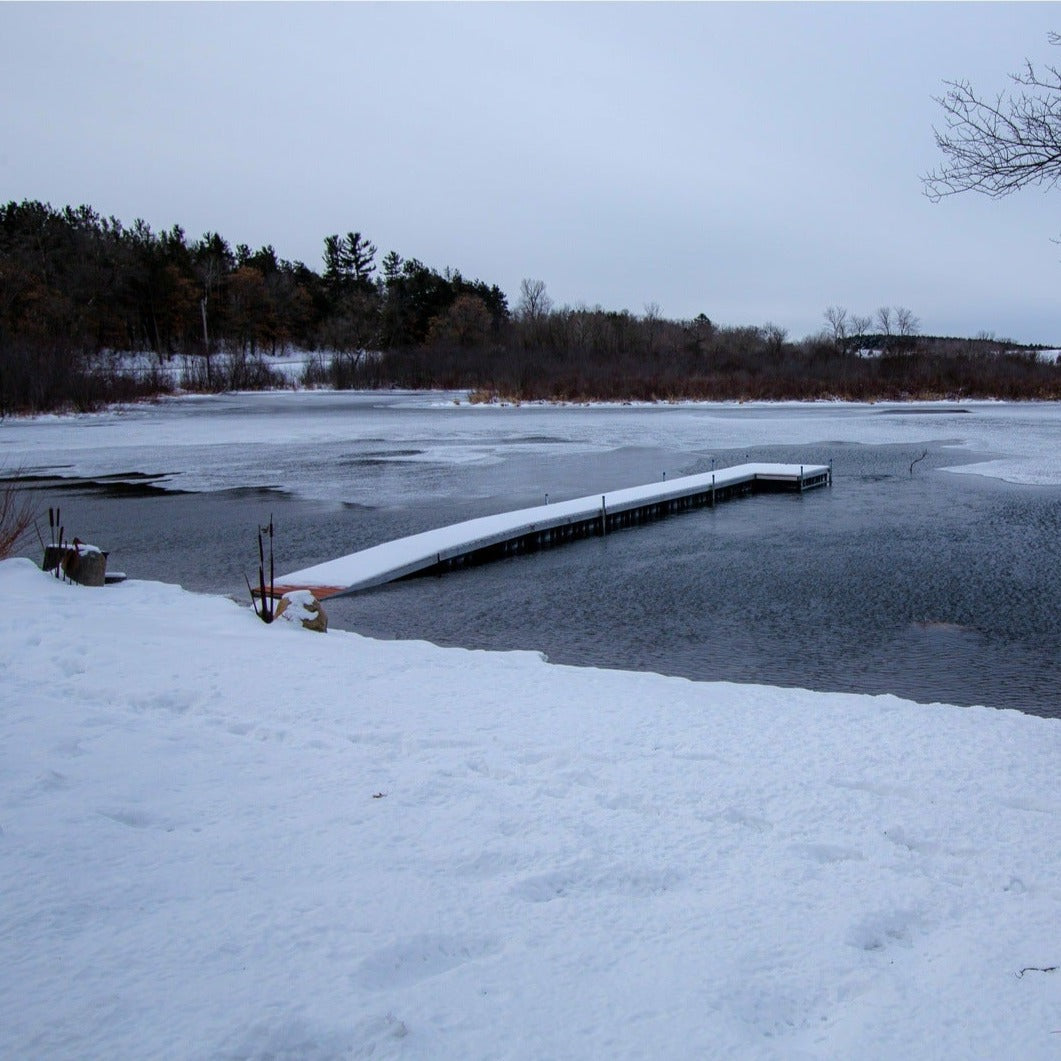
column 712, row 485
column 801, row 478
column 603, row 516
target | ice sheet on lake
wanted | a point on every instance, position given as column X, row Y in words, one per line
column 317, row 444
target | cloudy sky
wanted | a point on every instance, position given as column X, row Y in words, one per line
column 755, row 162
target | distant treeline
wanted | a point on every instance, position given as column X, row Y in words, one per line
column 77, row 290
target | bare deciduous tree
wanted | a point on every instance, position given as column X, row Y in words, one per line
column 837, row 318
column 652, row 321
column 906, row 324
column 533, row 301
column 998, row 145
column 860, row 329
column 774, row 335
column 467, row 323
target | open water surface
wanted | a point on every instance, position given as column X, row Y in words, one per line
column 922, row 583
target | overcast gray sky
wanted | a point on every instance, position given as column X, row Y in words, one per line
column 755, row 162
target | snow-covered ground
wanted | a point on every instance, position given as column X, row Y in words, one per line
column 220, row 839
column 290, row 366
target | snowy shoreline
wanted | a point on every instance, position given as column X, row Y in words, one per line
column 442, row 399
column 223, row 839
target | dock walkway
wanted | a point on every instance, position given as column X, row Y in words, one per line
column 544, row 526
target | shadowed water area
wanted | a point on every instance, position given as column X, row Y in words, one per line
column 922, row 583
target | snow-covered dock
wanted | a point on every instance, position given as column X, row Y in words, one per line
column 543, row 526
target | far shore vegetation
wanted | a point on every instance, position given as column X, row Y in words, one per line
column 80, row 293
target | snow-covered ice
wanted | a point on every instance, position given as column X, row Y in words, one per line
column 221, row 839
column 273, row 439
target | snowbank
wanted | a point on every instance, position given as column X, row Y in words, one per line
column 222, row 839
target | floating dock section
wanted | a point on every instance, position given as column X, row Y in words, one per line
column 544, row 526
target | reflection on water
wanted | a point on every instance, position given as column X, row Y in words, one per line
column 929, row 585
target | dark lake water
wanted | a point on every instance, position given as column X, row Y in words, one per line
column 930, row 585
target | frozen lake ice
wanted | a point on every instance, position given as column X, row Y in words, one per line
column 938, row 584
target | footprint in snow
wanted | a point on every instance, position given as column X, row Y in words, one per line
column 827, row 853
column 885, row 929
column 739, row 816
column 297, row 1039
column 418, row 958
column 135, row 819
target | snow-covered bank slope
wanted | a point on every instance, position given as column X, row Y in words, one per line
column 221, row 839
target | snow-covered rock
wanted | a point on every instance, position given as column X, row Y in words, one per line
column 300, row 606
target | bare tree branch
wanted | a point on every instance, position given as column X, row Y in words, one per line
column 17, row 513
column 996, row 146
